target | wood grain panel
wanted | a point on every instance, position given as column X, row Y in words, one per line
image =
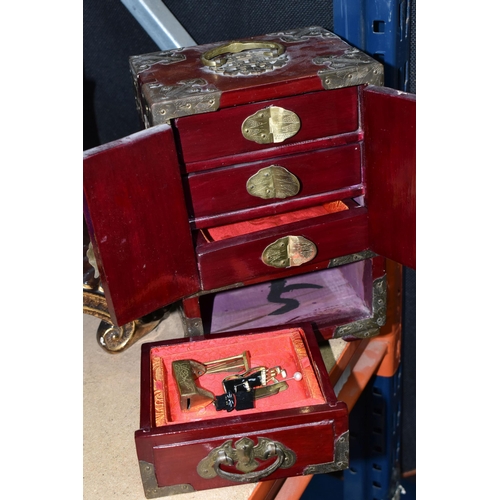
column 137, row 220
column 390, row 144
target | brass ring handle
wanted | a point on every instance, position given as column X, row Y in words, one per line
column 244, row 456
column 234, row 47
column 249, row 476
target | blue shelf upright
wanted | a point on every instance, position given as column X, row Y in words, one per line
column 374, row 442
column 381, row 29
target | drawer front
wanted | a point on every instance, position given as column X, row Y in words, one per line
column 319, row 114
column 265, row 182
column 195, row 463
column 240, row 259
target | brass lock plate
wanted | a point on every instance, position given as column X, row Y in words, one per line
column 270, row 125
column 273, row 182
column 290, row 251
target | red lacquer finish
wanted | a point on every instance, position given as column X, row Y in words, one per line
column 137, row 219
column 389, row 118
column 176, row 449
column 273, row 151
column 225, row 190
column 214, row 135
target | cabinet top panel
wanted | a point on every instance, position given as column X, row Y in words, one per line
column 205, row 78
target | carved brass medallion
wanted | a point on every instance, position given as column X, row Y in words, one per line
column 270, row 125
column 290, row 251
column 273, row 182
column 245, row 58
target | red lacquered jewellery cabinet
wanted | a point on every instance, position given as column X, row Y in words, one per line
column 268, row 165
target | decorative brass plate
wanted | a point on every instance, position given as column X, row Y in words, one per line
column 270, row 125
column 273, row 182
column 290, row 251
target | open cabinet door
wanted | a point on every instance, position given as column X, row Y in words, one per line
column 138, row 223
column 390, row 162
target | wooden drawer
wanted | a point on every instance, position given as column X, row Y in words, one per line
column 290, row 178
column 214, row 135
column 239, row 259
column 181, row 450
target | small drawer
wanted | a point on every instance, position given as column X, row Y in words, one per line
column 184, row 449
column 278, row 122
column 255, row 249
column 283, row 179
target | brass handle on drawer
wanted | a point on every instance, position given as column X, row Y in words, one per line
column 234, row 47
column 290, row 251
column 270, row 125
column 273, row 182
column 243, row 457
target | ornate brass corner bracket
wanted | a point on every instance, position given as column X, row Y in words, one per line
column 353, row 67
column 369, row 327
column 150, row 484
column 340, row 462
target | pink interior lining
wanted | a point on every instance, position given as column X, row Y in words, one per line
column 252, row 226
column 284, row 348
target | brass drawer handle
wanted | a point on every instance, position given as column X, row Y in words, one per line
column 290, row 251
column 243, row 457
column 273, row 182
column 270, row 125
column 234, row 47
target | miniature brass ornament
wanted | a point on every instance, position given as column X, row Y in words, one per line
column 243, row 456
column 270, row 125
column 290, row 251
column 273, row 182
column 186, row 371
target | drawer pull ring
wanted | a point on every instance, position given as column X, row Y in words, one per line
column 244, row 457
column 234, row 47
column 270, row 125
column 290, row 251
column 273, row 182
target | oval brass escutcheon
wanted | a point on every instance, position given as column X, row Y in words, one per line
column 290, row 251
column 273, row 182
column 270, row 125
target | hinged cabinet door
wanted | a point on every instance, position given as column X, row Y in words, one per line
column 138, row 223
column 390, row 161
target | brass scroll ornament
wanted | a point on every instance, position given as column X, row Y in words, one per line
column 270, row 125
column 290, row 251
column 233, row 47
column 243, row 457
column 273, row 182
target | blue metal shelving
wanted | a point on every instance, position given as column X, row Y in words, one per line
column 375, row 440
column 381, row 29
